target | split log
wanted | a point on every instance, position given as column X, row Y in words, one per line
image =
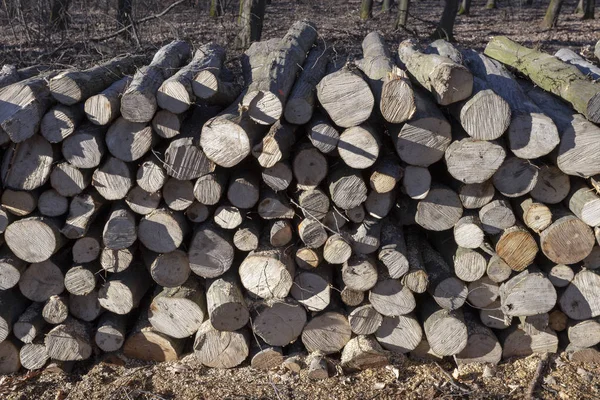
column 110, row 334
column 531, row 134
column 322, row 134
column 178, row 312
column 138, row 103
column 145, row 343
column 11, row 269
column 337, row 249
column 129, row 141
column 85, row 148
column 448, row 81
column 56, row 310
column 517, row 343
column 113, row 179
column 246, row 237
column 168, row 270
column 33, row 356
column 439, row 210
column 34, row 239
column 565, row 80
column 209, row 188
column 82, row 211
column 469, row 232
column 278, row 177
column 69, row 341
column 116, row 260
column 142, row 202
column 399, row 334
column 587, row 68
column 312, row 288
column 528, row 293
column 210, row 251
column 346, row 188
column 474, row 161
column 220, row 349
column 364, row 320
column 309, row 167
column 416, row 182
column 81, row 279
column 482, row 344
column 27, row 165
column 580, row 300
column 423, row 139
column 19, row 203
column 60, row 122
column 327, row 333
column 346, row 97
column 476, row 195
column 162, row 231
column 517, row 247
column 363, row 352
column 52, row 204
column 124, row 291
column 278, row 322
column 10, row 362
column 120, row 229
column 552, row 186
column 584, row 203
column 392, row 252
column 301, row 101
column 567, row 241
column 225, row 303
column 105, row 107
column 391, row 298
column 536, row 216
column 267, row 273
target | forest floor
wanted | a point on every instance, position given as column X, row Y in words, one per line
column 404, row 379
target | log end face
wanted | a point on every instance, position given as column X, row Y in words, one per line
column 99, row 110
column 229, row 317
column 298, row 111
column 138, row 107
column 457, row 83
column 265, row 108
column 174, row 97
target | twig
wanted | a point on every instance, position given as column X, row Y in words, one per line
column 451, row 380
column 537, row 377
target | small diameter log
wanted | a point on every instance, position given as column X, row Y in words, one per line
column 515, row 177
column 82, row 212
column 470, row 265
column 279, row 233
column 517, row 247
column 221, row 349
column 416, row 182
column 68, row 180
column 278, row 177
column 110, row 334
column 10, row 362
column 482, row 344
column 162, row 231
column 166, row 124
column 346, row 98
column 56, row 310
column 81, row 279
column 33, row 356
column 393, row 252
column 385, row 174
column 391, row 298
column 423, row 139
column 105, row 107
column 528, row 293
column 346, row 188
column 327, row 333
column 197, row 212
column 476, row 195
column 19, row 203
column 363, row 352
column 138, row 103
column 497, row 269
column 561, row 275
column 448, row 81
column 273, row 205
column 309, row 167
column 482, row 292
column 69, row 341
column 469, row 232
column 168, row 270
column 209, row 188
column 178, row 195
column 584, row 202
column 129, row 141
column 11, row 269
column 142, row 202
column 52, row 204
column 439, row 210
column 178, row 312
column 446, row 331
column 379, row 205
column 536, row 216
column 493, row 317
column 214, row 86
column 517, row 343
column 552, row 186
column 151, row 175
column 113, row 179
column 496, row 216
column 580, row 300
column 225, row 303
column 399, row 334
column 27, row 165
column 474, row 161
column 124, row 291
column 86, row 147
column 307, row 258
column 351, row 297
column 322, row 134
column 313, row 203
column 30, row 323
column 334, row 219
column 312, row 233
column 337, row 249
column 145, row 343
column 247, row 236
column 364, row 320
column 276, row 144
column 359, row 146
column 86, row 308
column 267, row 273
column 567, row 241
column 34, row 239
column 60, row 121
column 397, row 103
column 244, row 189
column 120, row 229
column 267, row 358
column 365, row 237
column 210, row 251
column 278, row 322
column 584, row 334
column 416, row 279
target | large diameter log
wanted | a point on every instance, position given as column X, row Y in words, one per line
column 69, row 341
column 567, row 241
column 218, row 349
column 13, row 305
column 210, row 251
column 346, row 98
column 517, row 343
column 528, row 293
column 110, row 333
column 515, row 177
column 364, row 320
column 448, row 81
column 423, row 139
column 587, row 68
column 580, row 300
column 178, row 312
column 145, row 343
column 531, row 134
column 85, row 148
column 474, row 161
column 82, row 211
column 584, row 202
column 552, row 186
column 33, row 356
column 268, row 273
column 482, row 344
column 225, row 304
column 138, row 103
column 359, row 146
column 399, row 334
column 312, row 289
column 72, row 87
column 124, row 291
column 439, row 210
column 60, row 122
column 327, row 333
column 549, row 73
column 517, row 247
column 162, row 231
column 268, row 91
column 391, row 298
column 34, row 239
column 363, row 352
column 27, row 165
column 105, row 107
column 278, row 322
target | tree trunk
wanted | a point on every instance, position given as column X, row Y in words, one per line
column 465, row 8
column 250, row 22
column 386, row 6
column 401, row 19
column 59, row 14
column 445, row 27
column 124, row 14
column 366, row 9
column 551, row 17
column 579, row 8
column 589, row 12
column 216, row 8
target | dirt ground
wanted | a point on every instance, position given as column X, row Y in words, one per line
column 118, row 379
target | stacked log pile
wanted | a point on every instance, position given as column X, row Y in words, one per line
column 430, row 204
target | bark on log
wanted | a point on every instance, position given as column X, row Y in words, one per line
column 587, row 68
column 162, row 231
column 69, row 341
column 60, row 122
column 34, row 239
column 278, row 322
column 210, row 251
column 225, row 303
column 218, row 349
column 124, row 291
column 327, row 333
column 399, row 334
column 267, row 273
column 105, row 107
column 27, row 165
column 528, row 293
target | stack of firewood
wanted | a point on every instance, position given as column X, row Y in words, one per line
column 431, row 204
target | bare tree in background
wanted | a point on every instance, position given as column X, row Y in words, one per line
column 465, row 7
column 386, row 6
column 490, row 4
column 59, row 17
column 250, row 20
column 445, row 27
column 586, row 8
column 216, row 8
column 124, row 13
column 551, row 18
column 366, row 9
column 402, row 13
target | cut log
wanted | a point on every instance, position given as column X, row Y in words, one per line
column 334, row 220
column 129, row 141
column 85, row 148
column 68, row 180
column 34, row 239
column 364, row 320
column 138, row 103
column 279, row 233
column 69, row 341
column 327, row 333
column 517, row 247
column 377, row 63
column 276, row 144
column 309, row 167
column 110, row 334
column 567, row 241
column 561, row 275
column 244, row 189
column 178, row 195
column 225, row 303
column 482, row 344
column 314, row 203
column 184, row 160
column 517, row 343
column 536, row 216
column 27, row 165
column 142, row 202
column 278, row 322
column 476, row 195
column 307, row 258
column 11, row 269
column 322, row 134
column 474, row 161
column 124, row 291
column 33, row 356
column 267, row 273
column 116, row 260
column 56, row 310
column 10, row 362
column 210, row 251
column 356, row 214
column 531, row 134
column 220, row 349
column 416, row 279
column 390, row 298
column 60, row 122
column 584, row 203
column 359, row 146
column 312, row 289
column 416, row 182
column 448, row 81
column 162, row 231
column 469, row 232
column 552, row 186
column 18, row 203
column 423, row 139
column 120, row 229
column 166, row 124
column 273, row 205
column 592, row 261
column 363, row 352
column 209, row 188
column 558, row 321
column 346, row 98
column 397, row 103
column 214, row 86
column 528, row 293
column 197, row 212
column 178, row 312
column 365, row 237
column 86, row 308
column 169, row 270
column 30, row 323
column 246, row 237
column 151, row 175
column 52, row 204
column 534, row 324
column 469, row 265
column 399, row 334
column 81, row 279
column 312, row 233
column 105, row 107
column 145, row 343
column 346, row 188
column 278, row 177
column 587, row 68
column 113, row 179
column 386, row 173
column 482, row 292
column 440, row 210
column 82, row 211
column 584, row 334
column 446, row 331
column 565, row 80
column 393, row 252
column 317, row 367
column 337, row 249
column 515, row 177
column 493, row 317
column 351, row 297
column 580, row 300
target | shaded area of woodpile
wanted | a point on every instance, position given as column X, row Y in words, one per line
column 430, row 204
